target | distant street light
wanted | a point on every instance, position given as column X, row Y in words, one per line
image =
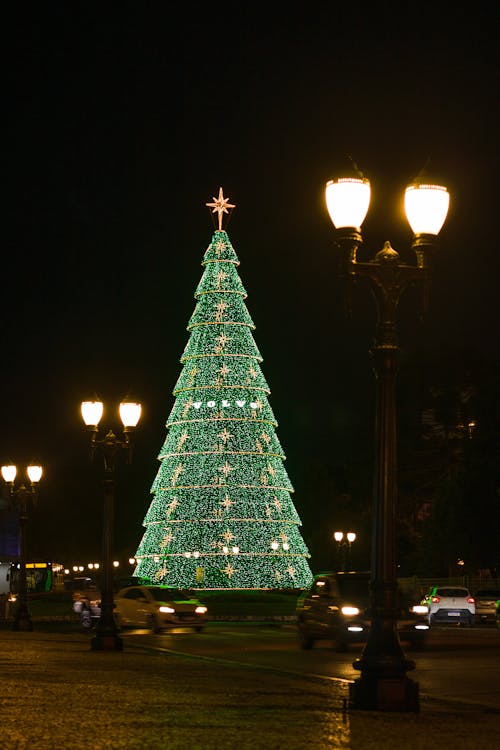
column 383, row 684
column 23, row 497
column 106, row 637
column 344, row 545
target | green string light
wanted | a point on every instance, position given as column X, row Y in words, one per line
column 221, row 514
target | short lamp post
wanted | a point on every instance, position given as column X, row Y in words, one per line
column 106, row 634
column 383, row 683
column 344, row 542
column 23, row 498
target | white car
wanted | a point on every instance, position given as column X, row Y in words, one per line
column 158, row 608
column 450, row 604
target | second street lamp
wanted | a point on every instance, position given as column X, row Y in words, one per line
column 106, row 637
column 383, row 684
column 343, row 541
column 23, row 497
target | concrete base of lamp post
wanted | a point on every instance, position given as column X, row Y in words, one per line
column 106, row 642
column 22, row 621
column 385, row 694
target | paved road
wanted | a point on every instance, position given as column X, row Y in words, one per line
column 57, row 694
column 457, row 664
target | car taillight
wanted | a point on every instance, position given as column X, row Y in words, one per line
column 436, row 599
column 471, row 600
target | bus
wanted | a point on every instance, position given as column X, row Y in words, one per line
column 40, row 577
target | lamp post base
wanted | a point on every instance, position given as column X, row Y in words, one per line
column 384, row 694
column 106, row 642
column 23, row 623
column 22, row 619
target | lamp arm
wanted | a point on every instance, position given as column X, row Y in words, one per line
column 388, row 281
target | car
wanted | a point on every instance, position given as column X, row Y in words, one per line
column 487, row 600
column 450, row 604
column 336, row 608
column 158, row 608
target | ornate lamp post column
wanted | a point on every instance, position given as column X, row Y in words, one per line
column 383, row 684
column 23, row 497
column 106, row 637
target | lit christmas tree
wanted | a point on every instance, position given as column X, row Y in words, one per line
column 221, row 515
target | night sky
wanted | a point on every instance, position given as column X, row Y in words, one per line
column 120, row 124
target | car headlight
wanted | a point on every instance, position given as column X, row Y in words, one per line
column 167, row 610
column 201, row 610
column 350, row 611
column 420, row 609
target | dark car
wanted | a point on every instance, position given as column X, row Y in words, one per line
column 487, row 600
column 336, row 609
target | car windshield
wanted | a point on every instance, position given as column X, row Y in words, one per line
column 163, row 594
column 452, row 592
column 355, row 589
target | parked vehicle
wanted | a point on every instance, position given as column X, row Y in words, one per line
column 336, row 609
column 450, row 604
column 157, row 608
column 487, row 600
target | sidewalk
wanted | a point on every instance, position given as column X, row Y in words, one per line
column 57, row 694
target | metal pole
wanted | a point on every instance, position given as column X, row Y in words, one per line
column 383, row 684
column 22, row 618
column 106, row 637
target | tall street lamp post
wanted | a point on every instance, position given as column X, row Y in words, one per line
column 383, row 683
column 23, row 497
column 350, row 537
column 106, row 635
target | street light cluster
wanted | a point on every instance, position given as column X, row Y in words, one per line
column 339, row 535
column 22, row 497
column 343, row 541
column 426, row 205
column 106, row 635
column 383, row 684
column 94, row 566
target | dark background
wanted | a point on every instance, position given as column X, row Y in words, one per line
column 119, row 124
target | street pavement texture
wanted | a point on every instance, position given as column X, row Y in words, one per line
column 57, row 694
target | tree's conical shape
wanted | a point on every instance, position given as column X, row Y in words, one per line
column 221, row 515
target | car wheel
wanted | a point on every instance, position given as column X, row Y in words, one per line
column 305, row 641
column 199, row 629
column 153, row 625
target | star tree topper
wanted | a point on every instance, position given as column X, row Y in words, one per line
column 220, row 206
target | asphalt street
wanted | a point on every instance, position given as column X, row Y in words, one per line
column 57, row 693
